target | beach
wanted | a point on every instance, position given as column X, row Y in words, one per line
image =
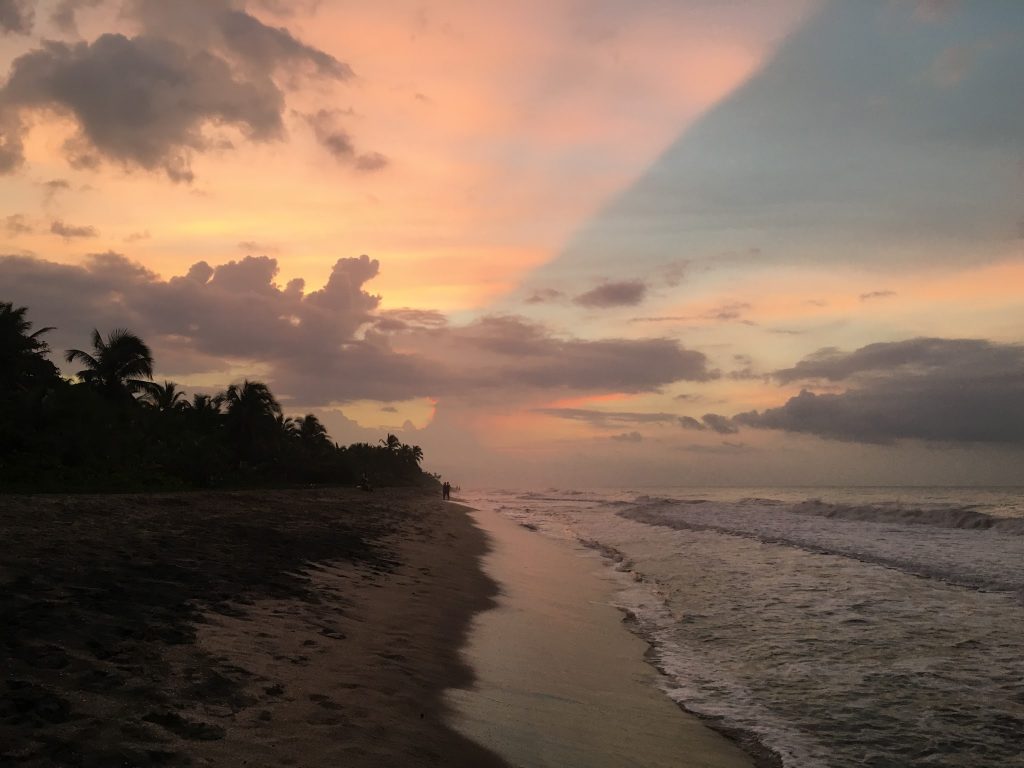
column 307, row 628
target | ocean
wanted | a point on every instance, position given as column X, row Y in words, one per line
column 832, row 627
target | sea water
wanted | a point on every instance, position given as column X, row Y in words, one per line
column 836, row 627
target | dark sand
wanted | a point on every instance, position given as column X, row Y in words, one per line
column 309, row 628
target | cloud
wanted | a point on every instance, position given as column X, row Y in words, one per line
column 938, row 390
column 141, row 101
column 67, row 231
column 54, row 186
column 336, row 140
column 628, row 437
column 152, row 101
column 544, row 296
column 16, row 16
column 135, row 237
column 16, row 224
column 725, row 448
column 530, row 355
column 604, row 418
column 64, row 14
column 723, row 425
column 334, row 344
column 627, row 293
column 876, row 295
column 688, row 422
column 251, row 246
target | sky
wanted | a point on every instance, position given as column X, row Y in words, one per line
column 558, row 243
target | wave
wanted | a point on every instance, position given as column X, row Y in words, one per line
column 975, row 559
column 959, row 517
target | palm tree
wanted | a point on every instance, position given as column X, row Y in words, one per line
column 166, row 397
column 251, row 417
column 22, row 351
column 115, row 365
column 287, row 426
column 207, row 404
column 392, row 443
column 313, row 433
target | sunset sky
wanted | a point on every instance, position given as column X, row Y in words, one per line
column 615, row 242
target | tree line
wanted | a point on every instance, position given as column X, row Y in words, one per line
column 112, row 427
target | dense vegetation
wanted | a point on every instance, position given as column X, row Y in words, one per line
column 114, row 428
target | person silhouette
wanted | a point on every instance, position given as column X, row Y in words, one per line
column 446, row 490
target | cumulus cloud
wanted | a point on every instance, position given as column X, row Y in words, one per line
column 627, row 293
column 68, row 231
column 334, row 344
column 153, row 100
column 142, row 101
column 939, row 390
column 16, row 16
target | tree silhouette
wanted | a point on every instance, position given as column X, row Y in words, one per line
column 114, row 428
column 251, row 418
column 313, row 434
column 115, row 365
column 166, row 397
column 23, row 360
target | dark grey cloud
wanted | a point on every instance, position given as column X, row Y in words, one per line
column 327, row 129
column 69, row 231
column 407, row 319
column 723, row 425
column 333, row 344
column 272, row 47
column 920, row 356
column 142, row 101
column 938, row 390
column 715, row 422
column 542, row 359
column 605, row 418
column 627, row 293
column 688, row 422
column 228, row 28
column 628, row 437
column 16, row 17
column 154, row 100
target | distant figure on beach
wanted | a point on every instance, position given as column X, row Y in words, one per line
column 446, row 490
column 364, row 484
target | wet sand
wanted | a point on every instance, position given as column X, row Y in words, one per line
column 308, row 628
column 561, row 683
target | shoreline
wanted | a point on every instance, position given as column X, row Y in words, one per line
column 560, row 681
column 311, row 628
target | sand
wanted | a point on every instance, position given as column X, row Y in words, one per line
column 561, row 682
column 309, row 628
